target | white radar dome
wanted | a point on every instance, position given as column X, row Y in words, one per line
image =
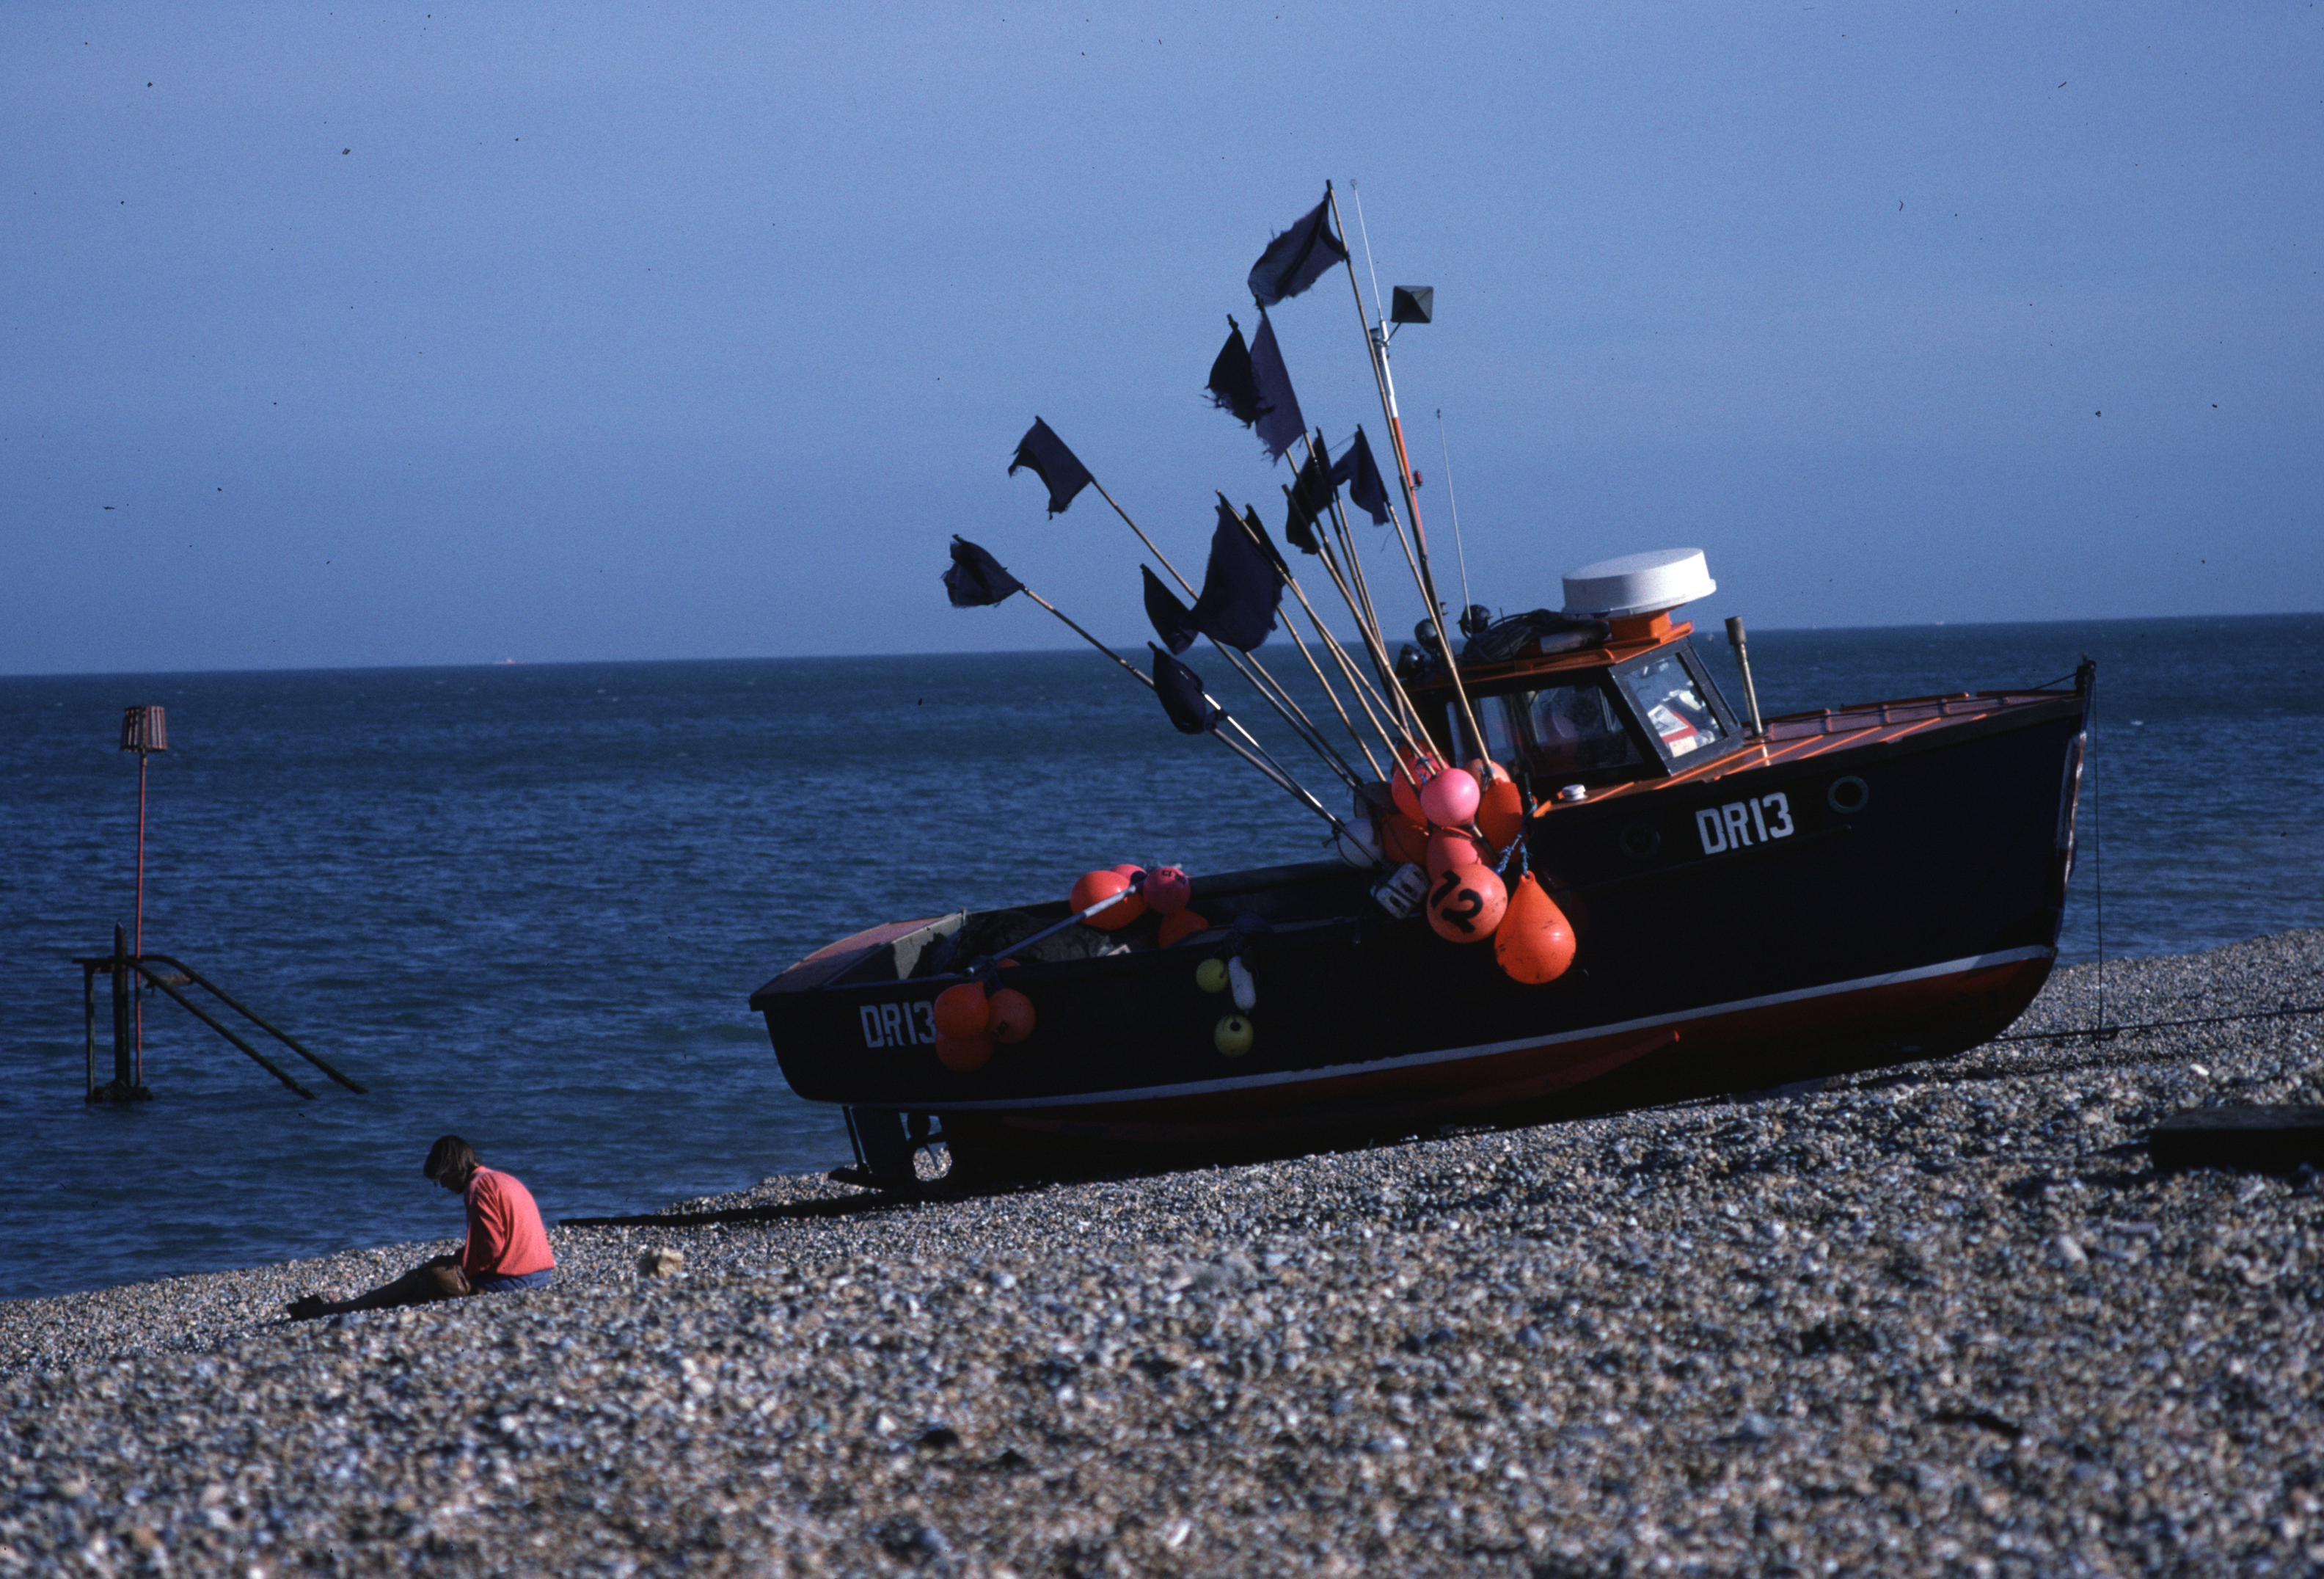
column 1639, row 583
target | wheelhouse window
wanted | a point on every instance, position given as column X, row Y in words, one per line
column 1561, row 733
column 1667, row 696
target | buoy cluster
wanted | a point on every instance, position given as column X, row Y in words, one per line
column 971, row 1018
column 1167, row 890
column 1454, row 823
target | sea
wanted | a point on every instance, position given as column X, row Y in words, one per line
column 528, row 904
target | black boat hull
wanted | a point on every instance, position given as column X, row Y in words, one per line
column 1890, row 895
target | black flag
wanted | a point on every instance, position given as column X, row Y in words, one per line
column 1297, row 258
column 1241, row 588
column 1311, row 496
column 1181, row 690
column 1361, row 474
column 1172, row 620
column 976, row 578
column 1259, row 535
column 1279, row 423
column 1053, row 463
column 1231, row 386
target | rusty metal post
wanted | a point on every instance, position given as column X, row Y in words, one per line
column 144, row 730
column 123, row 1071
column 88, row 1021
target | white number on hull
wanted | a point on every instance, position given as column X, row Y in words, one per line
column 1740, row 823
column 899, row 1025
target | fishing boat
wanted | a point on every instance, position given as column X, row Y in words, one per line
column 1628, row 893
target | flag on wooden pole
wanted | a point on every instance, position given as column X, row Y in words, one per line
column 1053, row 463
column 1311, row 496
column 1297, row 258
column 1192, row 712
column 976, row 579
column 1231, row 388
column 1361, row 474
column 1279, row 424
column 1242, row 589
column 1172, row 621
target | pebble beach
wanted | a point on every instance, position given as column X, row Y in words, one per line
column 1941, row 1318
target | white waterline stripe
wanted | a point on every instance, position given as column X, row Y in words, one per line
column 1491, row 1049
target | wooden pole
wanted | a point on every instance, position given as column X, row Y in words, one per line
column 1271, row 691
column 1366, row 620
column 1254, row 754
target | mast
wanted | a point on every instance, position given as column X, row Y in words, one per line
column 1376, row 340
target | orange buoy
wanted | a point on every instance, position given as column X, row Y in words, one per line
column 1448, row 849
column 1168, row 890
column 1466, row 904
column 1012, row 1016
column 1180, row 925
column 963, row 1054
column 963, row 1010
column 1535, row 943
column 1404, row 839
column 1501, row 808
column 1104, row 884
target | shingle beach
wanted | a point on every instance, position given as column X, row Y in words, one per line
column 1941, row 1318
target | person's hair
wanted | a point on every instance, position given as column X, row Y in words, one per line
column 450, row 1157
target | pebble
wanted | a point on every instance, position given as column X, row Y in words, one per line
column 1934, row 1318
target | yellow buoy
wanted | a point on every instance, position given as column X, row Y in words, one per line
column 1233, row 1036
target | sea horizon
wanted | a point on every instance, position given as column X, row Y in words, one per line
column 1707, row 629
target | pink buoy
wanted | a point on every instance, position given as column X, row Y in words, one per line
column 1404, row 784
column 1448, row 849
column 1450, row 799
column 1168, row 890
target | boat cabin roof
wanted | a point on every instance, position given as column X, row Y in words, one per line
column 1644, row 708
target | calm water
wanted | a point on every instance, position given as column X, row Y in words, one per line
column 528, row 904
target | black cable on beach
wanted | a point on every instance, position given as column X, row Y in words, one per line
column 2109, row 1035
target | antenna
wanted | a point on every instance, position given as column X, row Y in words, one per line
column 1367, row 235
column 1454, row 499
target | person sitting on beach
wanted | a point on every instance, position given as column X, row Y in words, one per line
column 506, row 1247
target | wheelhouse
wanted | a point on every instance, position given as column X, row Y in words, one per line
column 1639, row 703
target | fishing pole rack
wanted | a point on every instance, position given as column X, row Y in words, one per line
column 169, row 974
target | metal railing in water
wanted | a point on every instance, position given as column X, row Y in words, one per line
column 169, row 974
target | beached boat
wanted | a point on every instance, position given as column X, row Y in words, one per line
column 1628, row 893
column 1838, row 890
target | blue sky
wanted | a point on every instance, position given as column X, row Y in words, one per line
column 411, row 336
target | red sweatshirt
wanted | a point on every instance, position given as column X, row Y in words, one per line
column 505, row 1231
